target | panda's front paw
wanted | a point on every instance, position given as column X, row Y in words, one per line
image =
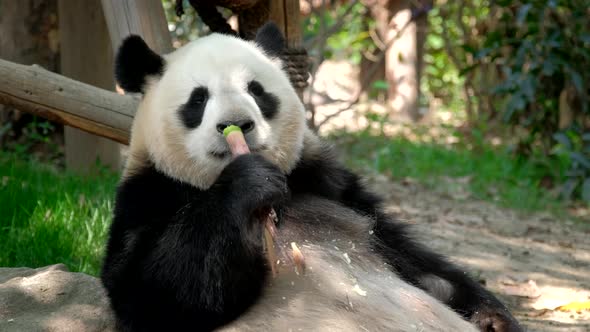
column 255, row 183
column 495, row 319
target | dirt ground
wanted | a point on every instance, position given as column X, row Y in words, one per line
column 533, row 262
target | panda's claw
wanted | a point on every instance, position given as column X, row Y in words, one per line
column 495, row 320
column 254, row 183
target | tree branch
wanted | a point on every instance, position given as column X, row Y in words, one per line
column 35, row 90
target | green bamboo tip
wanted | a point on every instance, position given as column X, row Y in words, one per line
column 230, row 129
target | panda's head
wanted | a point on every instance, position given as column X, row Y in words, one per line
column 193, row 93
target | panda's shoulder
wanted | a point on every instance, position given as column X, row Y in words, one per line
column 320, row 169
column 150, row 193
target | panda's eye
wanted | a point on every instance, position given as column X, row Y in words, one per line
column 192, row 112
column 199, row 96
column 266, row 101
column 255, row 88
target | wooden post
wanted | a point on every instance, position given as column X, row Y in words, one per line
column 29, row 41
column 277, row 13
column 403, row 59
column 286, row 14
column 140, row 17
column 293, row 24
column 145, row 18
column 87, row 56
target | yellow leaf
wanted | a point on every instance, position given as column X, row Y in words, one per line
column 575, row 306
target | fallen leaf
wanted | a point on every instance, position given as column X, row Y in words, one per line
column 575, row 306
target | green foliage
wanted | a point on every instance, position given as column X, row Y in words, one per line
column 348, row 41
column 543, row 51
column 186, row 28
column 575, row 146
column 36, row 133
column 440, row 76
column 381, row 85
column 47, row 217
column 454, row 27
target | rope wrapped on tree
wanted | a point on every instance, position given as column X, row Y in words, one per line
column 296, row 60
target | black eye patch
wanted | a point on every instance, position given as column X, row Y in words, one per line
column 191, row 113
column 266, row 101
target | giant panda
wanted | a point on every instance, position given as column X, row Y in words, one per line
column 185, row 249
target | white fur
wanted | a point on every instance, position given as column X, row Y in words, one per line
column 224, row 65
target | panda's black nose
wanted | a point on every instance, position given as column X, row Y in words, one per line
column 245, row 125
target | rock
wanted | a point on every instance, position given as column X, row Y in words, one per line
column 51, row 299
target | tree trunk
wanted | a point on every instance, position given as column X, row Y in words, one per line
column 87, row 56
column 35, row 41
column 28, row 35
column 397, row 28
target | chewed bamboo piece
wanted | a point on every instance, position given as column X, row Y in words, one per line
column 235, row 139
column 238, row 146
column 298, row 259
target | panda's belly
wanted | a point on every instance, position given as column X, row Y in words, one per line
column 345, row 286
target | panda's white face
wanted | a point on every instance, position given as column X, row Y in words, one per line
column 205, row 86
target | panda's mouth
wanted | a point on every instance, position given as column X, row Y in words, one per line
column 226, row 153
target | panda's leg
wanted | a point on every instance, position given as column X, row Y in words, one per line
column 427, row 270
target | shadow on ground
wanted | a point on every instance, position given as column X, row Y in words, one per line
column 533, row 262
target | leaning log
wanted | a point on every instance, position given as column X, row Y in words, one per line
column 35, row 90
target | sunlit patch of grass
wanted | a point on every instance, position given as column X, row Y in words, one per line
column 489, row 173
column 48, row 216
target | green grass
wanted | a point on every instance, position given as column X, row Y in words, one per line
column 48, row 217
column 491, row 173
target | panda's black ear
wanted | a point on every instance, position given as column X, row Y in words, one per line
column 271, row 39
column 134, row 62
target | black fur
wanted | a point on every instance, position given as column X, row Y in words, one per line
column 271, row 39
column 183, row 259
column 266, row 101
column 134, row 62
column 192, row 112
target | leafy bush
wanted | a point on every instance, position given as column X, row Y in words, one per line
column 542, row 49
column 31, row 136
column 339, row 32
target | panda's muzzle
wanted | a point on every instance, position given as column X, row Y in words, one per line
column 227, row 153
column 246, row 125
